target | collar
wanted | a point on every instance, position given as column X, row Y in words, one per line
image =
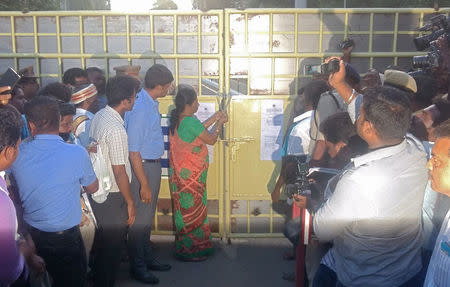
column 115, row 115
column 379, row 154
column 47, row 137
column 146, row 96
column 303, row 116
column 80, row 111
column 3, row 187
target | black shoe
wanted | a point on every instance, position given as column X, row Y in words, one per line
column 289, row 276
column 145, row 277
column 156, row 266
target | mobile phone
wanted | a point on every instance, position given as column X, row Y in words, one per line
column 9, row 78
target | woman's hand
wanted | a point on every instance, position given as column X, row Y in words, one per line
column 224, row 118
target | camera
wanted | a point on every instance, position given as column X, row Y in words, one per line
column 439, row 24
column 324, row 69
column 297, row 170
column 431, row 60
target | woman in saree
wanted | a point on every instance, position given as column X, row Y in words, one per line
column 187, row 174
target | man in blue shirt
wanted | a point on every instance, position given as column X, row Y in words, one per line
column 146, row 146
column 49, row 174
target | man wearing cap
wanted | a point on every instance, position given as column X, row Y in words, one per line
column 146, row 146
column 403, row 82
column 85, row 100
column 28, row 82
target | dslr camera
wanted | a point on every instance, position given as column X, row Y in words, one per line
column 297, row 170
column 439, row 25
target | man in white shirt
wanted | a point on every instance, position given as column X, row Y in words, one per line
column 117, row 211
column 439, row 173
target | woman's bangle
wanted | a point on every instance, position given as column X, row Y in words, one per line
column 351, row 96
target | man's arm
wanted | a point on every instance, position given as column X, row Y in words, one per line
column 138, row 168
column 92, row 187
column 338, row 211
column 123, row 183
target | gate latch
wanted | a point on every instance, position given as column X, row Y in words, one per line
column 235, row 144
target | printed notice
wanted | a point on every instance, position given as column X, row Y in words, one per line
column 271, row 127
column 204, row 112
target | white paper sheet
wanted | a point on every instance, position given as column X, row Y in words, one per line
column 271, row 126
column 204, row 112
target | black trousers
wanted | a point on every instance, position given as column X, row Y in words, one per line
column 64, row 255
column 109, row 238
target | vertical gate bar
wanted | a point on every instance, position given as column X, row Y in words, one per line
column 199, row 52
column 394, row 44
column 272, row 68
column 175, row 46
column 81, row 31
column 248, row 216
column 127, row 23
column 36, row 49
column 225, row 78
column 371, row 40
column 58, row 44
column 13, row 41
column 346, row 25
column 296, row 50
column 152, row 34
column 320, row 36
column 105, row 47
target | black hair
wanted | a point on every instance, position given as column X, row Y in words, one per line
column 72, row 73
column 43, row 112
column 443, row 106
column 388, row 110
column 313, row 90
column 185, row 96
column 157, row 75
column 66, row 109
column 56, row 90
column 443, row 131
column 426, row 89
column 120, row 88
column 338, row 128
column 94, row 69
column 10, row 126
column 351, row 75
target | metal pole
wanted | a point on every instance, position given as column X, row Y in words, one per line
column 345, row 3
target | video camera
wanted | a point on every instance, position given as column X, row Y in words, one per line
column 297, row 170
column 439, row 25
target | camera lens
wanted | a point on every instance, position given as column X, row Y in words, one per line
column 421, row 62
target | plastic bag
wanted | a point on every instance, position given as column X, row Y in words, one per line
column 104, row 180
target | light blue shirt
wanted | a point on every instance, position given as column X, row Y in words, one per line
column 143, row 125
column 49, row 174
column 439, row 268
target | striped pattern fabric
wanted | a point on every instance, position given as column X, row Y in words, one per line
column 165, row 122
column 84, row 94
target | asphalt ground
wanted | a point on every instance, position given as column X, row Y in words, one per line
column 243, row 263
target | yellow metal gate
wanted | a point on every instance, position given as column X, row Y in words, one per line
column 257, row 56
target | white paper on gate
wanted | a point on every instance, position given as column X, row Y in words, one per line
column 204, row 112
column 271, row 124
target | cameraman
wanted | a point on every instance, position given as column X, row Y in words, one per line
column 373, row 213
column 329, row 103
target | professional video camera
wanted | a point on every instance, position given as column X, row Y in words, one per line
column 439, row 25
column 297, row 170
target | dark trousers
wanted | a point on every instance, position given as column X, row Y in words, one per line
column 64, row 255
column 325, row 277
column 109, row 238
column 139, row 233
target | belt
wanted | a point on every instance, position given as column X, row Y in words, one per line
column 152, row 160
column 35, row 230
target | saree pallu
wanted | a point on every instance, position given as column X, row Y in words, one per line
column 187, row 180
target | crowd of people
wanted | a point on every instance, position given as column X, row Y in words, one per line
column 381, row 219
column 81, row 174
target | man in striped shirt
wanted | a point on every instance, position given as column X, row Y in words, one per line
column 439, row 173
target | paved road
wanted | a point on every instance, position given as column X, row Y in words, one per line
column 244, row 263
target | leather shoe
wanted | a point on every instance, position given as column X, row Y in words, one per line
column 146, row 277
column 156, row 266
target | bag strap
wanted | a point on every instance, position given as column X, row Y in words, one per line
column 78, row 121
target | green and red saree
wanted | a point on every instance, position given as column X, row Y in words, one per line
column 187, row 180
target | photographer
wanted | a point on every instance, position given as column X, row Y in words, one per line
column 376, row 200
column 329, row 104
